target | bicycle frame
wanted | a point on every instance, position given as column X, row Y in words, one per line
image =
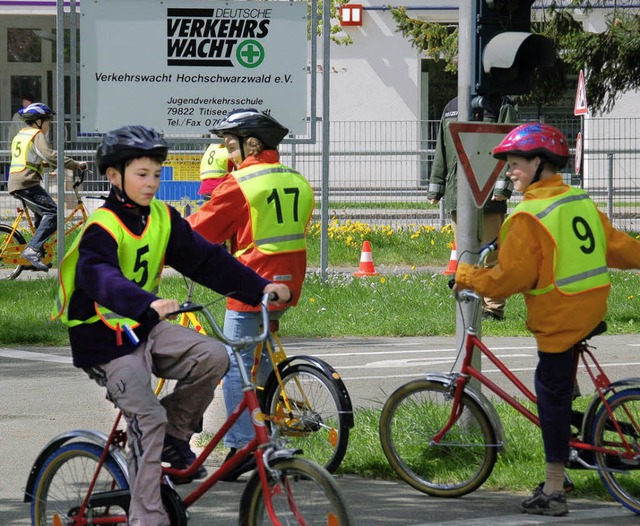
column 261, row 446
column 11, row 255
column 583, row 355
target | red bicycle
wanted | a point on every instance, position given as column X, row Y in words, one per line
column 80, row 477
column 442, row 436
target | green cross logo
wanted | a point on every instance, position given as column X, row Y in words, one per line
column 250, row 53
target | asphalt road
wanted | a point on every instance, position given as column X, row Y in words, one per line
column 43, row 395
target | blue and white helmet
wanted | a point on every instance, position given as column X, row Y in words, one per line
column 36, row 111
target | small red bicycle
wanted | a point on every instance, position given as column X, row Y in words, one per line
column 80, row 477
column 442, row 436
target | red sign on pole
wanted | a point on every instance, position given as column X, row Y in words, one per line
column 580, row 107
column 474, row 142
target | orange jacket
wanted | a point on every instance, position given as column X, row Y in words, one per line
column 227, row 217
column 525, row 261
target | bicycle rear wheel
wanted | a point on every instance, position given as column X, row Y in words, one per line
column 64, row 480
column 621, row 476
column 9, row 270
column 301, row 492
column 459, row 463
column 314, row 419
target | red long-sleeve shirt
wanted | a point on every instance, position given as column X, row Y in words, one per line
column 227, row 217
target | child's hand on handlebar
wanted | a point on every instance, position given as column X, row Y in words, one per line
column 165, row 307
column 282, row 293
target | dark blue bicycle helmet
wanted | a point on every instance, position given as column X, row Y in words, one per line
column 250, row 122
column 128, row 143
column 36, row 111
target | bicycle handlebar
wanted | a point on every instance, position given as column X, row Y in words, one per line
column 467, row 295
column 245, row 341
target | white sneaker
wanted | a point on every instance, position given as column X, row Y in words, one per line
column 34, row 258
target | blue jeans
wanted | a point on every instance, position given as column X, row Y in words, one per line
column 237, row 324
column 45, row 210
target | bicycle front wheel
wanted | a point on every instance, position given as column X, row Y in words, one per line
column 64, row 479
column 459, row 462
column 10, row 246
column 310, row 413
column 301, row 492
column 620, row 473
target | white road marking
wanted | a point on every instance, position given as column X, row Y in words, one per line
column 33, row 356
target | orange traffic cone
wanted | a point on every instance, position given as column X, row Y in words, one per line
column 366, row 267
column 453, row 261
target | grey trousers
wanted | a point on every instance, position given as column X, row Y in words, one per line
column 198, row 363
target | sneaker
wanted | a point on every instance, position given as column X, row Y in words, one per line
column 540, row 503
column 248, row 464
column 34, row 258
column 489, row 315
column 178, row 455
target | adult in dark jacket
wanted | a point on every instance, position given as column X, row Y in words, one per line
column 443, row 183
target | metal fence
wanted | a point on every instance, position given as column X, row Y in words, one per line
column 378, row 170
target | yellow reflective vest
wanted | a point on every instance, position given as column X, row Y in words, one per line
column 137, row 262
column 572, row 220
column 283, row 208
column 19, row 149
column 214, row 162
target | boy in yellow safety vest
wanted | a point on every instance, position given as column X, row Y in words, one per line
column 555, row 248
column 108, row 297
column 30, row 149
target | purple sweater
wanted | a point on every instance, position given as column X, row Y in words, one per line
column 98, row 278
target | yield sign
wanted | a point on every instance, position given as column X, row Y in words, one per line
column 580, row 107
column 474, row 142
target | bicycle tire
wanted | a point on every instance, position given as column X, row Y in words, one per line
column 64, row 479
column 620, row 477
column 317, row 424
column 297, row 482
column 463, row 459
column 9, row 271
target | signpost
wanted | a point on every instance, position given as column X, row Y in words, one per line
column 474, row 142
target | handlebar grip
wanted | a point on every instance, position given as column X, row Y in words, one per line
column 187, row 306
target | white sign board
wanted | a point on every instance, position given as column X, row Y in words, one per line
column 180, row 66
column 474, row 142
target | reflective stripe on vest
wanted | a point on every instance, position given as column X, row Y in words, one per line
column 19, row 150
column 572, row 220
column 215, row 162
column 137, row 262
column 283, row 200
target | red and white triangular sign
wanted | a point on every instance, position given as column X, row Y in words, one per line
column 474, row 142
column 580, row 107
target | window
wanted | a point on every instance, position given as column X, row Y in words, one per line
column 23, row 45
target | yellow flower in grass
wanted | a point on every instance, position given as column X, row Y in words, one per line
column 383, row 279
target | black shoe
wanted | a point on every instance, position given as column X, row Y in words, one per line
column 489, row 315
column 34, row 258
column 248, row 464
column 178, row 455
column 540, row 503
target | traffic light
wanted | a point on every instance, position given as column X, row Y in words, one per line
column 506, row 52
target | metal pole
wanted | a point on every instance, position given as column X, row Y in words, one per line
column 324, row 201
column 73, row 72
column 60, row 124
column 610, row 185
column 467, row 236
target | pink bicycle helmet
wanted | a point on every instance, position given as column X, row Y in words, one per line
column 535, row 139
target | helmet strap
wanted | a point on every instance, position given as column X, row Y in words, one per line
column 120, row 192
column 538, row 173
